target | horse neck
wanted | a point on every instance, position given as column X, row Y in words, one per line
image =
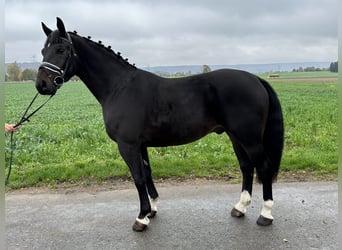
column 100, row 69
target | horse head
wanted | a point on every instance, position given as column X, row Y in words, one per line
column 59, row 57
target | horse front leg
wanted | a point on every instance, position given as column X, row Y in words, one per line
column 132, row 156
column 152, row 191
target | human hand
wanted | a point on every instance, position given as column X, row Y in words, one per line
column 10, row 128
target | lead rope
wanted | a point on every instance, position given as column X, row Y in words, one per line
column 23, row 119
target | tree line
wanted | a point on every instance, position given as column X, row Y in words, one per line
column 205, row 69
column 332, row 68
column 14, row 73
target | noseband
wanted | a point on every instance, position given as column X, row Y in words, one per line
column 59, row 79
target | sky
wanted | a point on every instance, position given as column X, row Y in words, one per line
column 179, row 32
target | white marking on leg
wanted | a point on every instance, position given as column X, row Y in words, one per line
column 144, row 221
column 245, row 200
column 153, row 203
column 266, row 209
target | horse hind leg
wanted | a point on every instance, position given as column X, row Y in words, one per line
column 247, row 170
column 151, row 189
column 265, row 176
column 248, row 158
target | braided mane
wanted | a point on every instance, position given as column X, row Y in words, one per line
column 108, row 49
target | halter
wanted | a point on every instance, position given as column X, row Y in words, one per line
column 59, row 79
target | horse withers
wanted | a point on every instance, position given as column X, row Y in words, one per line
column 142, row 110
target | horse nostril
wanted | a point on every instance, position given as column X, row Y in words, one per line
column 43, row 84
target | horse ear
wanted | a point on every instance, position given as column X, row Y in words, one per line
column 61, row 27
column 46, row 30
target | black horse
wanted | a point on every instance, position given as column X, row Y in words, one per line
column 143, row 110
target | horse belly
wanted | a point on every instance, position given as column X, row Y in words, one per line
column 172, row 139
column 172, row 134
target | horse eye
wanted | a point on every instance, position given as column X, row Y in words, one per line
column 60, row 50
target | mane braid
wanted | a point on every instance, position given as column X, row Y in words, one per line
column 107, row 49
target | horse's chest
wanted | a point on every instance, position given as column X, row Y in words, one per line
column 123, row 123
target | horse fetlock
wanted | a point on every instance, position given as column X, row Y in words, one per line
column 266, row 209
column 141, row 224
column 152, row 214
column 153, row 203
column 154, row 209
column 266, row 218
column 245, row 200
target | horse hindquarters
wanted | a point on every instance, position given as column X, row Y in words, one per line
column 256, row 131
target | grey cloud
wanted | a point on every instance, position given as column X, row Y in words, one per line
column 155, row 32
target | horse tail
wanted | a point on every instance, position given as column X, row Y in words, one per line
column 273, row 140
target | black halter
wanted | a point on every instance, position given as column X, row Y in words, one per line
column 59, row 79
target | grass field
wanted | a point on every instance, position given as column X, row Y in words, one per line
column 65, row 142
column 302, row 75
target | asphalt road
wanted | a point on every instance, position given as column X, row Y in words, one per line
column 189, row 217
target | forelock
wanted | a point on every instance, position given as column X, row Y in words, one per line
column 53, row 38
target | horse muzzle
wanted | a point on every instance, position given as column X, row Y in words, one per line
column 47, row 84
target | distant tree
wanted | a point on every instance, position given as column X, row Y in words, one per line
column 179, row 74
column 189, row 73
column 13, row 72
column 333, row 67
column 75, row 78
column 27, row 75
column 311, row 69
column 206, row 69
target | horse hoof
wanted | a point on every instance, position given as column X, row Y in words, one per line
column 152, row 214
column 139, row 227
column 263, row 221
column 236, row 213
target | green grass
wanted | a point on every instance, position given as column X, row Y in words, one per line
column 65, row 142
